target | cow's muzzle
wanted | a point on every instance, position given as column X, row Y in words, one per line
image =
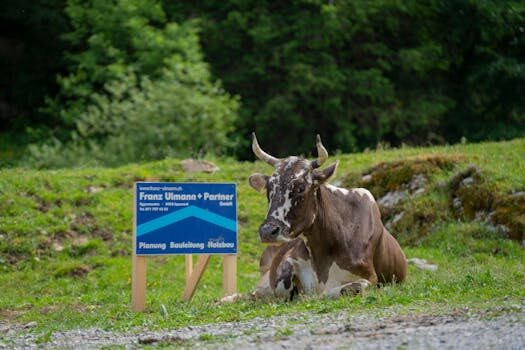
column 270, row 232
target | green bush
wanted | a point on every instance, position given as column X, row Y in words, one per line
column 144, row 120
column 139, row 90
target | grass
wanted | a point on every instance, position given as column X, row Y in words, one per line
column 65, row 243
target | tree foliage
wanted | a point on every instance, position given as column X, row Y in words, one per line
column 31, row 55
column 138, row 89
column 361, row 72
column 357, row 72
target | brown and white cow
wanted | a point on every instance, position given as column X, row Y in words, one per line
column 332, row 239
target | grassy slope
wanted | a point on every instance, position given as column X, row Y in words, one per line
column 65, row 243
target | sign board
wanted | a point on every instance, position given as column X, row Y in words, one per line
column 186, row 218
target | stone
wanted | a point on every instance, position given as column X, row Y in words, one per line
column 390, row 199
column 57, row 247
column 422, row 264
column 366, row 178
column 195, row 166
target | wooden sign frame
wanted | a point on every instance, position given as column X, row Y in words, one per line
column 193, row 274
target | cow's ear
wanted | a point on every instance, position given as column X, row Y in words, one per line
column 320, row 176
column 258, row 181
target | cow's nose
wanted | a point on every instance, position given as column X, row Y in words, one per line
column 268, row 231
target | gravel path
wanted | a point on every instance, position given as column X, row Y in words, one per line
column 307, row 331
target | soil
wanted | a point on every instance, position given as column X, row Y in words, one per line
column 497, row 329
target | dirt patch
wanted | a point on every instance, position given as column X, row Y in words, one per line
column 11, row 315
column 106, row 235
column 77, row 270
column 126, row 180
column 49, row 309
column 86, row 224
column 120, row 252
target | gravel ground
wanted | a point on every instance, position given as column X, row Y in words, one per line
column 493, row 330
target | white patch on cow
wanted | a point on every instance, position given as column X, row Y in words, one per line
column 274, row 180
column 308, row 178
column 306, row 274
column 263, row 287
column 291, row 161
column 314, row 216
column 300, row 174
column 335, row 189
column 280, row 213
column 363, row 192
column 282, row 239
column 337, row 277
column 281, row 291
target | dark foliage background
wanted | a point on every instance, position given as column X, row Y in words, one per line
column 357, row 72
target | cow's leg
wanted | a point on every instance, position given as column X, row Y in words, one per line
column 351, row 288
column 307, row 281
column 368, row 278
column 285, row 286
column 263, row 288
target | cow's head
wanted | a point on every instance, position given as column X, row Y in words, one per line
column 291, row 191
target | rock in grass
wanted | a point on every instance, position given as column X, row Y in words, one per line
column 31, row 324
column 422, row 264
column 148, row 340
column 231, row 298
column 391, row 199
column 195, row 165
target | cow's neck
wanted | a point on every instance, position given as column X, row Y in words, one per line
column 322, row 236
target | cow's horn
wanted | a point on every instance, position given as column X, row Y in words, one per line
column 261, row 154
column 322, row 153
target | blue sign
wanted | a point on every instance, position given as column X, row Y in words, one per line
column 186, row 218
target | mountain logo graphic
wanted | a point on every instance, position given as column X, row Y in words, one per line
column 179, row 215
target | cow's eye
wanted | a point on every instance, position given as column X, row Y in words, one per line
column 300, row 188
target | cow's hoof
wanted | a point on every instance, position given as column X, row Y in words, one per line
column 293, row 293
column 354, row 288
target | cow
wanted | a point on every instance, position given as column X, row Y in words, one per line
column 332, row 240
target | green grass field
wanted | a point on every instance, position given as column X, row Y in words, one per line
column 65, row 242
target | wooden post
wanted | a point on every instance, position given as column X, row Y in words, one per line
column 195, row 276
column 138, row 282
column 229, row 274
column 189, row 267
column 138, row 267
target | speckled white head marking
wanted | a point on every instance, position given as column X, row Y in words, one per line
column 285, row 185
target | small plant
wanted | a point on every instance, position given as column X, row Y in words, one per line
column 283, row 332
